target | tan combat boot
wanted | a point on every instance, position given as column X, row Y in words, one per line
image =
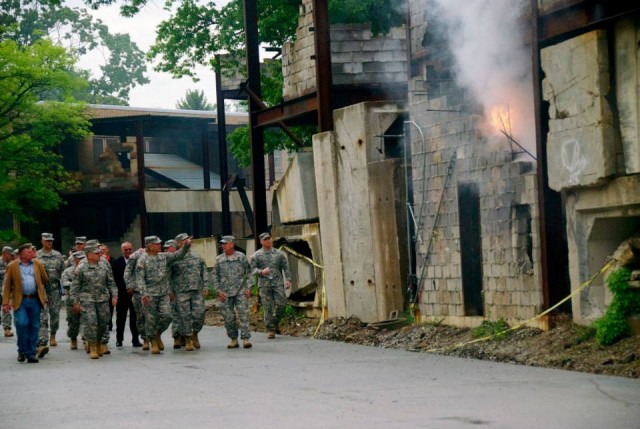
column 7, row 332
column 233, row 344
column 271, row 335
column 246, row 343
column 104, row 349
column 74, row 343
column 160, row 343
column 195, row 340
column 86, row 346
column 188, row 343
column 145, row 344
column 154, row 347
column 42, row 350
column 52, row 340
column 93, row 350
column 177, row 342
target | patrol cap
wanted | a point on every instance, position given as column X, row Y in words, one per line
column 78, row 254
column 7, row 249
column 170, row 243
column 80, row 240
column 47, row 236
column 93, row 242
column 264, row 235
column 152, row 239
column 92, row 249
column 181, row 236
column 227, row 239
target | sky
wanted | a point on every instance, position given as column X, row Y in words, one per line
column 164, row 91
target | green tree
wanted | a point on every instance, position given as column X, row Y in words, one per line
column 195, row 100
column 36, row 115
column 123, row 66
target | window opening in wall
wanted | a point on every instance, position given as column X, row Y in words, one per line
column 394, row 139
column 470, row 248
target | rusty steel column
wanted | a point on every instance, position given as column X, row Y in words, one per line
column 324, row 81
column 222, row 152
column 256, row 133
column 142, row 211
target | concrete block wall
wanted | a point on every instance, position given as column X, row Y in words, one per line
column 511, row 286
column 357, row 56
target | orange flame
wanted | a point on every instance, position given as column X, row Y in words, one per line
column 500, row 119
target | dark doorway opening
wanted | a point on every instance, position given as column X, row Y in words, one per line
column 470, row 248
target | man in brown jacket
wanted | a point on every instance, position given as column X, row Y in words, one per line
column 24, row 293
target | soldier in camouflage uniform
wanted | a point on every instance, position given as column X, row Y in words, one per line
column 189, row 280
column 136, row 298
column 73, row 319
column 50, row 318
column 152, row 281
column 231, row 280
column 90, row 292
column 178, row 340
column 79, row 245
column 7, row 256
column 269, row 264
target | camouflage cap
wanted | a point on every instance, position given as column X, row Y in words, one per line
column 181, row 236
column 93, row 242
column 47, row 236
column 92, row 249
column 80, row 240
column 170, row 243
column 264, row 235
column 78, row 254
column 7, row 249
column 227, row 239
column 152, row 239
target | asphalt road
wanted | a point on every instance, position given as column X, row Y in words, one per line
column 300, row 383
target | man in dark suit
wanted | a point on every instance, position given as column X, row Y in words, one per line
column 125, row 303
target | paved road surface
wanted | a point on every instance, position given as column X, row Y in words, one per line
column 300, row 383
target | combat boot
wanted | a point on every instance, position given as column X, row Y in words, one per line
column 271, row 335
column 93, row 350
column 145, row 344
column 86, row 346
column 74, row 343
column 104, row 349
column 246, row 343
column 99, row 348
column 233, row 344
column 160, row 343
column 154, row 347
column 42, row 350
column 195, row 340
column 52, row 340
column 177, row 342
column 188, row 343
column 7, row 332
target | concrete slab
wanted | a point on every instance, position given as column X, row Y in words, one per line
column 300, row 383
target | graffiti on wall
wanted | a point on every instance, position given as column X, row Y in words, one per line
column 573, row 160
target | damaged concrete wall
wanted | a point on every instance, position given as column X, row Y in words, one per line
column 363, row 235
column 593, row 158
column 357, row 56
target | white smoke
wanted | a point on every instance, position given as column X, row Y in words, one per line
column 487, row 39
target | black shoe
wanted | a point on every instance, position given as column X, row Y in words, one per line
column 32, row 360
column 137, row 344
column 118, row 343
column 21, row 357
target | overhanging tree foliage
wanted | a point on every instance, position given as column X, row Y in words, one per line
column 194, row 100
column 36, row 115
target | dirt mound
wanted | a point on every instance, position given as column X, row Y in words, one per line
column 565, row 346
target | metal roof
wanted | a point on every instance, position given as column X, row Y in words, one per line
column 103, row 111
column 178, row 171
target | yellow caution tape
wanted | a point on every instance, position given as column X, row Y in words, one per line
column 323, row 293
column 604, row 269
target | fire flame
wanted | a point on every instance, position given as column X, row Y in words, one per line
column 500, row 119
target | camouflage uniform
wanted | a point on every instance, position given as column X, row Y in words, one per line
column 152, row 279
column 230, row 275
column 130, row 282
column 50, row 320
column 106, row 335
column 73, row 319
column 272, row 292
column 6, row 317
column 92, row 288
column 188, row 280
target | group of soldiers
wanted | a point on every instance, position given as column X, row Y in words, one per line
column 166, row 285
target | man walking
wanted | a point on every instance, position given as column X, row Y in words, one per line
column 66, row 280
column 7, row 257
column 24, row 292
column 91, row 289
column 152, row 281
column 50, row 318
column 189, row 281
column 230, row 279
column 270, row 264
column 125, row 302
